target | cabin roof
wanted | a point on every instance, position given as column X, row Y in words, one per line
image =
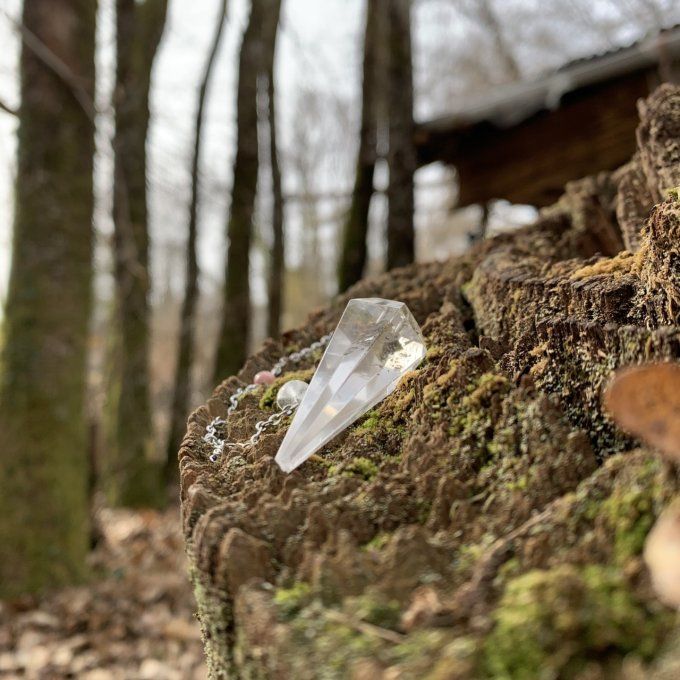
column 524, row 141
column 507, row 105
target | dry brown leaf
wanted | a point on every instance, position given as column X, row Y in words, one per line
column 645, row 402
column 130, row 622
column 662, row 555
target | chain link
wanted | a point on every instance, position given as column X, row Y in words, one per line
column 234, row 398
column 274, row 419
column 219, row 444
column 296, row 357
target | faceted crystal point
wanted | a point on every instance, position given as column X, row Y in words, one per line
column 376, row 342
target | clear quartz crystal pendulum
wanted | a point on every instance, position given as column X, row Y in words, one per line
column 376, row 342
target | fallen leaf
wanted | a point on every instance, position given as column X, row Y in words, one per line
column 122, row 621
column 662, row 555
column 645, row 402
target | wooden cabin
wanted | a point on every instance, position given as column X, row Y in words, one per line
column 524, row 141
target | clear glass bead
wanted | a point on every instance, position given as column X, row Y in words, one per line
column 291, row 393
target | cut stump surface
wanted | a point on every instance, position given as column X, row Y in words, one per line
column 487, row 520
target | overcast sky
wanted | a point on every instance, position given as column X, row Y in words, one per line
column 318, row 50
column 302, row 59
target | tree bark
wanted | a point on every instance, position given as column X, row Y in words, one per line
column 489, row 488
column 353, row 256
column 43, row 433
column 276, row 281
column 233, row 338
column 402, row 154
column 135, row 481
column 182, row 389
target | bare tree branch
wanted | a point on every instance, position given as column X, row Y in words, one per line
column 8, row 109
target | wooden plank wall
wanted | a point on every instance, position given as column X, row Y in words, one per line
column 592, row 130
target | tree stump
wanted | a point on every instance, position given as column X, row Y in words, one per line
column 487, row 519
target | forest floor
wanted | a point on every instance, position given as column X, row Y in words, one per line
column 134, row 619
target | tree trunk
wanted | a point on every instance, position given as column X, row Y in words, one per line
column 233, row 338
column 277, row 263
column 135, row 480
column 43, row 432
column 182, row 390
column 353, row 256
column 489, row 489
column 402, row 154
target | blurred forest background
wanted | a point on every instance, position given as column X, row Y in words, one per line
column 180, row 180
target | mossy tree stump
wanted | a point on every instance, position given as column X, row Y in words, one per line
column 487, row 519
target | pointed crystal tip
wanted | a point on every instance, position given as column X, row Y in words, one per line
column 376, row 342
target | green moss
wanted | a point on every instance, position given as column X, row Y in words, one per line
column 469, row 554
column 329, row 647
column 520, row 484
column 376, row 610
column 473, row 406
column 631, row 515
column 434, row 352
column 510, row 569
column 487, row 383
column 290, row 601
column 370, row 422
column 361, row 467
column 215, row 615
column 472, row 421
column 378, row 542
column 429, row 653
column 550, row 623
column 424, row 507
column 630, row 510
column 322, row 640
column 389, row 421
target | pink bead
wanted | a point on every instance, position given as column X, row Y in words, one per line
column 264, row 378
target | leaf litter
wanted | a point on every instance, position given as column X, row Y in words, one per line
column 135, row 618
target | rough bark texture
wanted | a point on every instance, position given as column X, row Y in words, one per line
column 353, row 256
column 275, row 283
column 134, row 480
column 486, row 520
column 233, row 338
column 182, row 391
column 43, row 438
column 401, row 157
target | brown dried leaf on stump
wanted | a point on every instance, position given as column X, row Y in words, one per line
column 645, row 402
column 662, row 555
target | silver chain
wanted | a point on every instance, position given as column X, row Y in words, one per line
column 219, row 444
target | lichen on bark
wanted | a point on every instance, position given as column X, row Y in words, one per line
column 43, row 432
column 487, row 519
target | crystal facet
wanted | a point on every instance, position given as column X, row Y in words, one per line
column 291, row 393
column 376, row 342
